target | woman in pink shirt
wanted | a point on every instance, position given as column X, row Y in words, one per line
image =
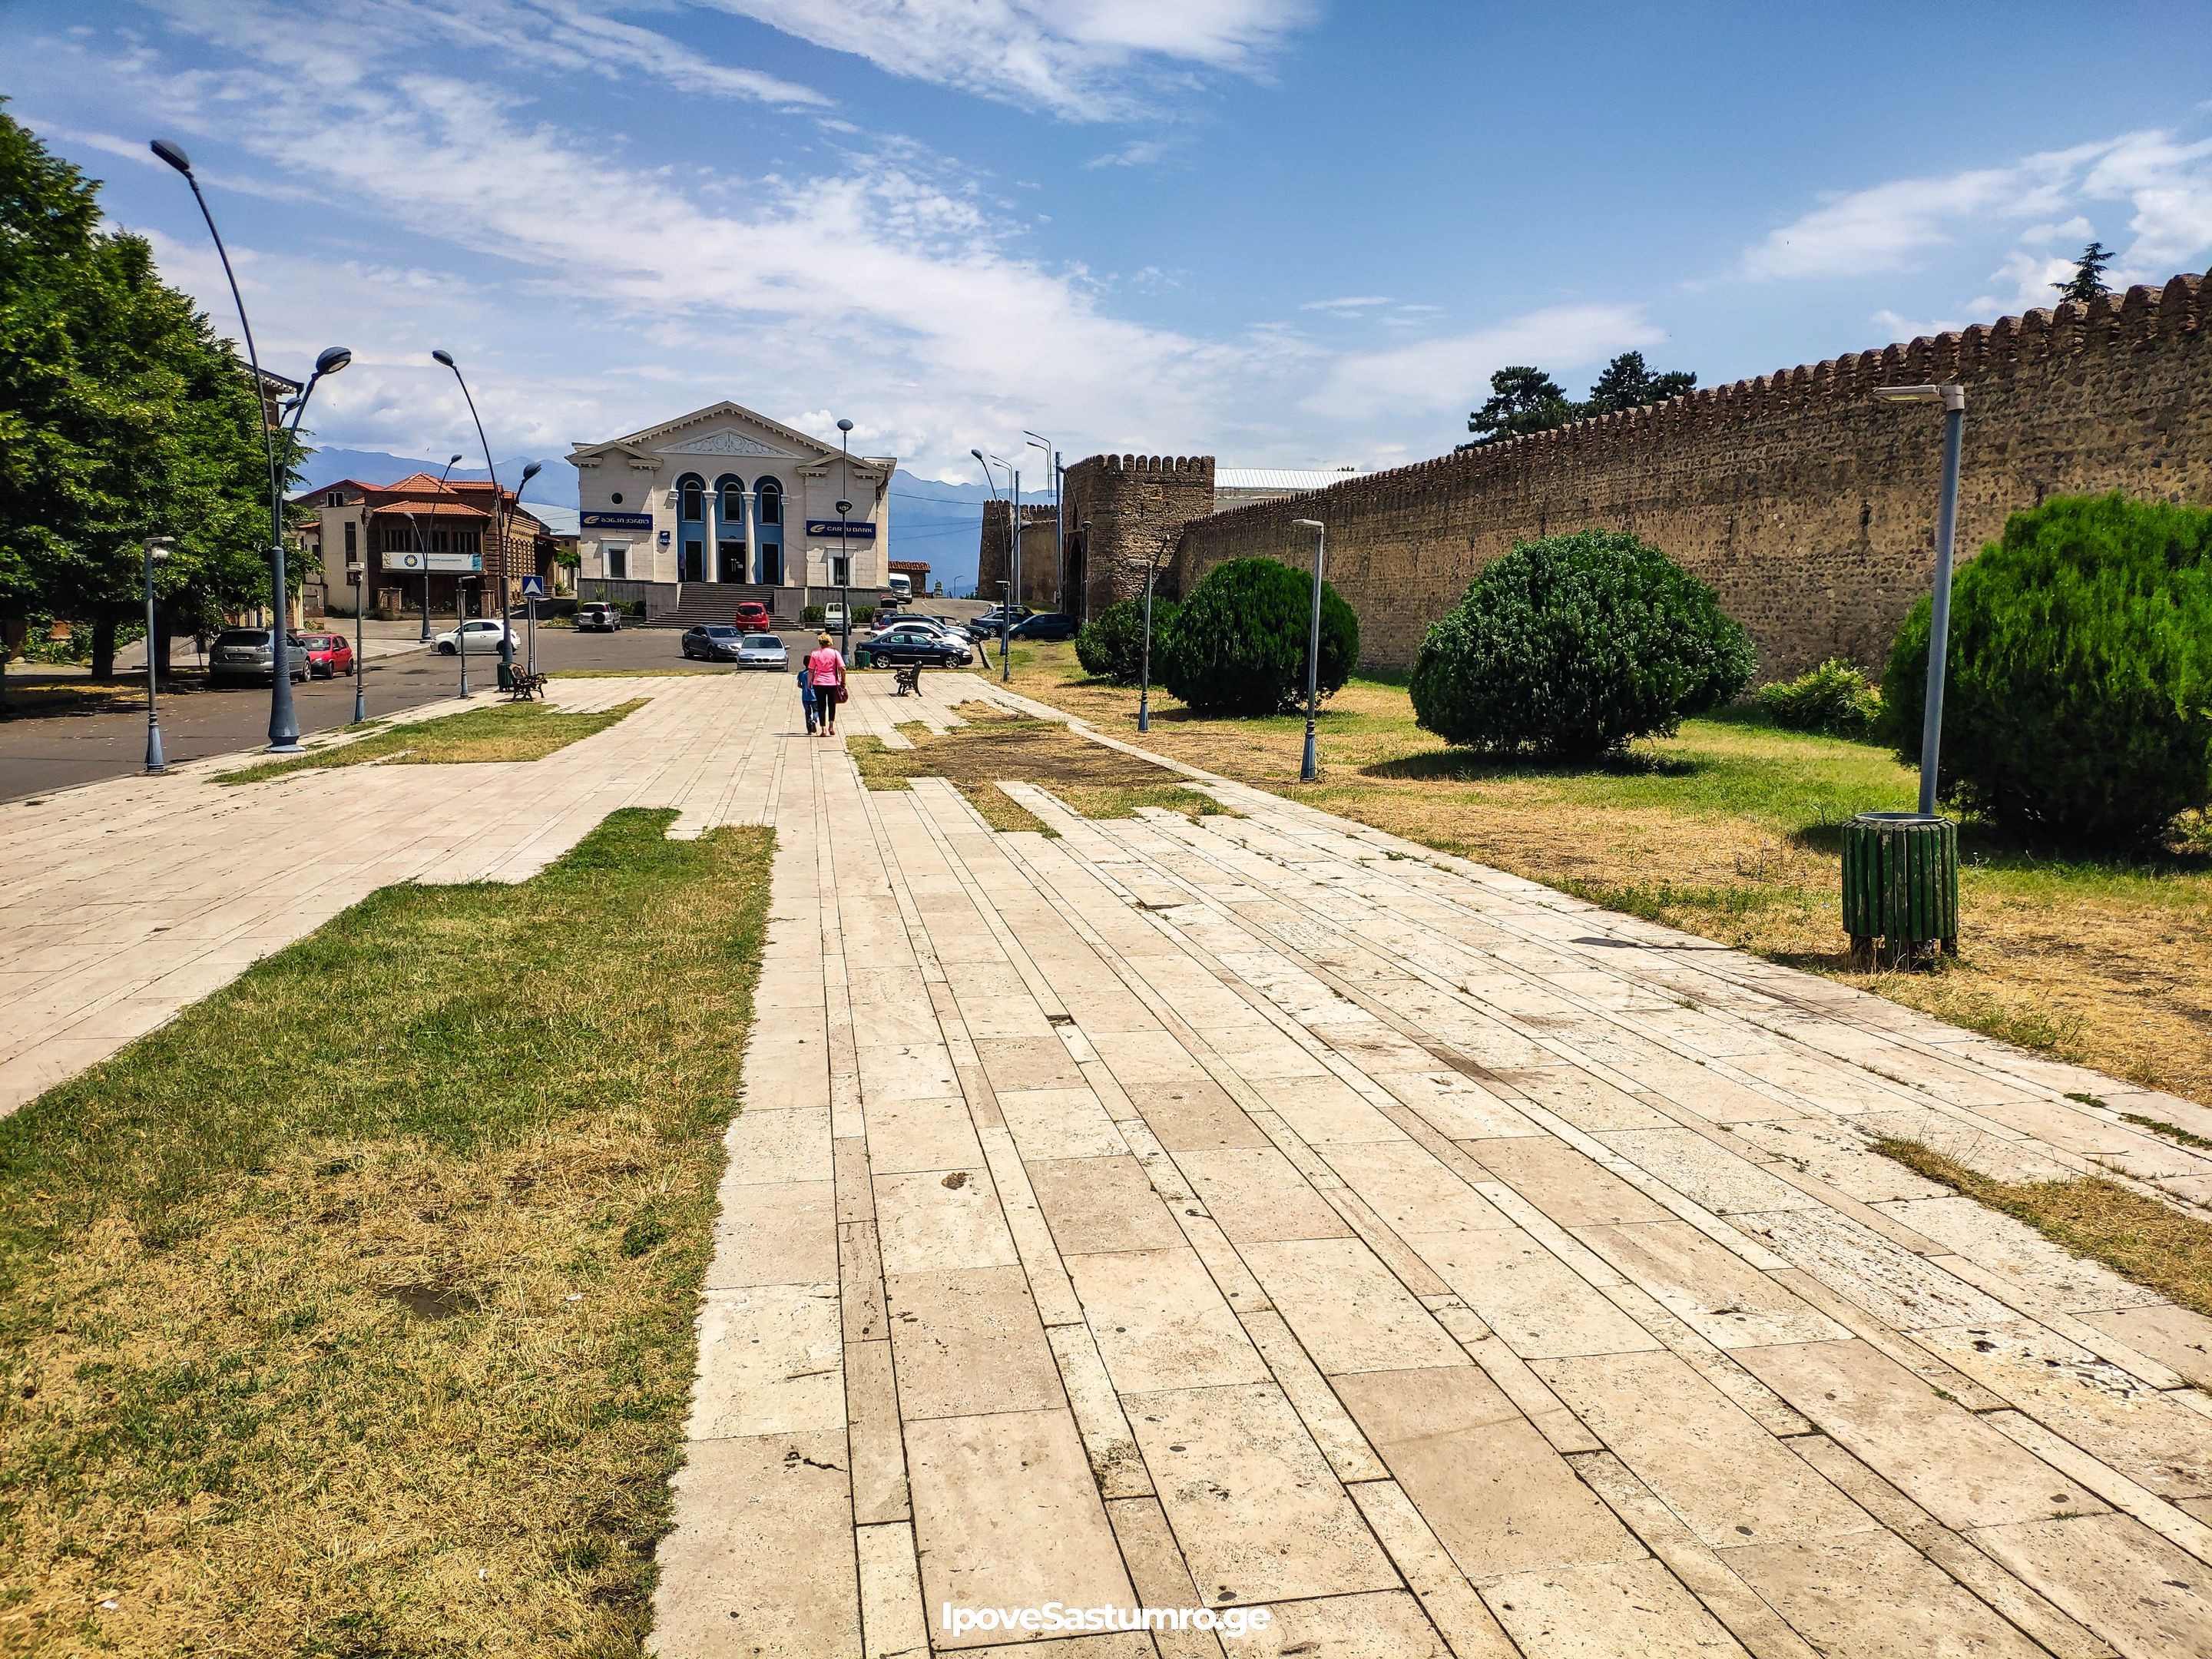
column 826, row 672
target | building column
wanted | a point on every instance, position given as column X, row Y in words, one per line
column 752, row 545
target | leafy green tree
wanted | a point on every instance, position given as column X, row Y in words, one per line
column 1568, row 648
column 1523, row 400
column 1111, row 645
column 123, row 415
column 2087, row 281
column 1627, row 383
column 1238, row 645
column 2077, row 703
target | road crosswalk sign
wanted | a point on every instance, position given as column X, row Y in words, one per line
column 534, row 587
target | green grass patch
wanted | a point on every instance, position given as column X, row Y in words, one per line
column 351, row 1311
column 500, row 732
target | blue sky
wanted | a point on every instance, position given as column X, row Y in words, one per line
column 1290, row 232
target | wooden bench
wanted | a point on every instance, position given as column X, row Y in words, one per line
column 522, row 685
column 906, row 679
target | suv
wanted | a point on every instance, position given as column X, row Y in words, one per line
column 598, row 618
column 986, row 625
column 246, row 655
column 752, row 617
column 1045, row 625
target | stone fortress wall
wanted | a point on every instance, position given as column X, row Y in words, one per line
column 1808, row 505
column 1038, row 567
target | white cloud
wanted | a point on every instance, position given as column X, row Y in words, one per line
column 1085, row 60
column 1896, row 327
column 2164, row 184
column 1350, row 306
column 1445, row 373
column 1140, row 152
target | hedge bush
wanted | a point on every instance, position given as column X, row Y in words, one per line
column 1238, row 646
column 1834, row 698
column 1568, row 648
column 1111, row 645
column 2079, row 674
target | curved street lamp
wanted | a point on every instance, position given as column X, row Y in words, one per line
column 451, row 461
column 283, row 723
column 844, row 558
column 506, row 644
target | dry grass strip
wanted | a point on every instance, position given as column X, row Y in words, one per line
column 2140, row 1238
column 351, row 1312
column 500, row 732
column 1095, row 781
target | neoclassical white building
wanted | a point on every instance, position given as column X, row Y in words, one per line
column 723, row 494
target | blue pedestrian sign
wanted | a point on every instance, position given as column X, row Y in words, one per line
column 534, row 587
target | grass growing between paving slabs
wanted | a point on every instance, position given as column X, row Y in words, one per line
column 502, row 732
column 1731, row 830
column 1095, row 781
column 351, row 1312
column 2139, row 1237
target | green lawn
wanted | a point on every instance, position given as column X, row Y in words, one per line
column 351, row 1312
column 498, row 732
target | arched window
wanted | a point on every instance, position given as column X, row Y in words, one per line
column 692, row 498
column 771, row 501
column 732, row 489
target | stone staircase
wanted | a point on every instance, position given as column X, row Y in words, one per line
column 717, row 602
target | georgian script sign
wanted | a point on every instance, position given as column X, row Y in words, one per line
column 617, row 520
column 853, row 530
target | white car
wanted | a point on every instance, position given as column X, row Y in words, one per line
column 763, row 651
column 833, row 617
column 484, row 635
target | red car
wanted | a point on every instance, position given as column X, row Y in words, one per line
column 752, row 617
column 328, row 654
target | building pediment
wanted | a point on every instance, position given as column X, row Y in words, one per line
column 726, row 443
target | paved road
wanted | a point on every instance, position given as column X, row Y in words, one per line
column 1267, row 1211
column 40, row 755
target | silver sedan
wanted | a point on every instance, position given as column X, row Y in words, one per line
column 763, row 651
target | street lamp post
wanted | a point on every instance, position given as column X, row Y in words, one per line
column 506, row 535
column 844, row 557
column 1307, row 770
column 451, row 461
column 283, row 723
column 506, row 642
column 1145, row 660
column 461, row 627
column 158, row 549
column 1052, row 468
column 1953, row 396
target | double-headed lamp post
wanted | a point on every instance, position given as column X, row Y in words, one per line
column 1953, row 396
column 844, row 557
column 1307, row 770
column 283, row 723
column 506, row 641
column 158, row 550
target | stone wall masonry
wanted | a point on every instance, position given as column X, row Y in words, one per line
column 992, row 548
column 1808, row 505
column 1136, row 507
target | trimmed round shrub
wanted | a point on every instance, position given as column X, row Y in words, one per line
column 1834, row 698
column 2078, row 699
column 1568, row 648
column 1111, row 645
column 1238, row 646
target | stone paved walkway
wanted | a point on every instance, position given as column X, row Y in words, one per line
column 1269, row 1212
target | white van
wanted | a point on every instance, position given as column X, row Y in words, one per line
column 901, row 587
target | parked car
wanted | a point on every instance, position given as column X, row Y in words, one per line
column 927, row 624
column 753, row 617
column 484, row 635
column 833, row 617
column 1045, row 625
column 910, row 644
column 329, row 655
column 598, row 618
column 986, row 625
column 763, row 651
column 246, row 656
column 713, row 642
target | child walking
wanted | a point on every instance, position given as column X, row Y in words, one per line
column 806, row 694
column 826, row 671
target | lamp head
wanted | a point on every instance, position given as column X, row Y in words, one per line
column 530, row 472
column 843, row 508
column 452, row 460
column 1305, row 524
column 844, row 426
column 977, row 453
column 1909, row 394
column 444, row 357
column 332, row 359
column 176, row 157
column 159, row 548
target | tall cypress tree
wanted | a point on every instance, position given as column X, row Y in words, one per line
column 2087, row 281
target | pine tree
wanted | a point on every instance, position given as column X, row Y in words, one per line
column 1523, row 399
column 1627, row 383
column 2087, row 281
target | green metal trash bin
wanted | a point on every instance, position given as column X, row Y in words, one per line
column 1900, row 884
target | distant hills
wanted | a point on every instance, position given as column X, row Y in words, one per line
column 940, row 523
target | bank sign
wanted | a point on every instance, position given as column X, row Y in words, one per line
column 828, row 530
column 617, row 522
